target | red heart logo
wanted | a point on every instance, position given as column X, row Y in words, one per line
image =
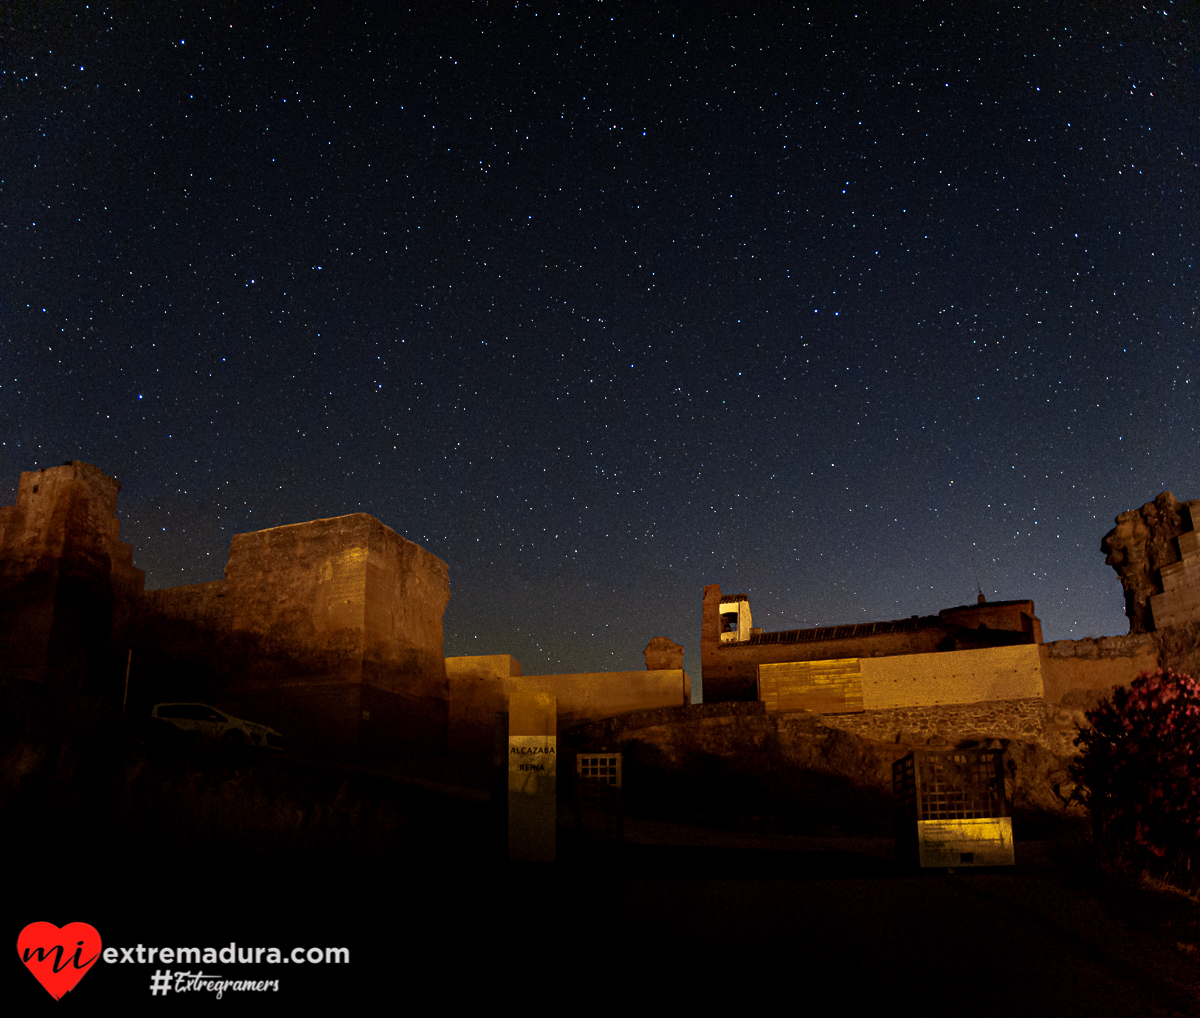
column 58, row 958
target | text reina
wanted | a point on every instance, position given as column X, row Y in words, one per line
column 530, row 749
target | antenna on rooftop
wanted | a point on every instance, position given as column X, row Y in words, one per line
column 975, row 569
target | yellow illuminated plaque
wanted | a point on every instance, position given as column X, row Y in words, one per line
column 985, row 841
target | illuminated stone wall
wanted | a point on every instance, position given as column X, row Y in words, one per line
column 330, row 631
column 1077, row 674
column 481, row 686
column 963, row 676
column 730, row 668
column 848, row 685
column 1004, row 692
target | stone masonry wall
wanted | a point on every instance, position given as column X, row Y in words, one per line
column 67, row 583
column 308, row 618
column 948, row 724
column 801, row 762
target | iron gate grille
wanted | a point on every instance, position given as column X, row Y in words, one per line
column 598, row 808
column 948, row 799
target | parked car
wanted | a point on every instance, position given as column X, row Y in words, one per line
column 214, row 724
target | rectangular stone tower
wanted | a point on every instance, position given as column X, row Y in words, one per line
column 330, row 631
column 68, row 587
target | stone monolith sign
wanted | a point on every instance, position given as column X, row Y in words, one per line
column 532, row 774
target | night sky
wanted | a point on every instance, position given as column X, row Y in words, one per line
column 847, row 307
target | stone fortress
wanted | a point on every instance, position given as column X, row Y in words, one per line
column 331, row 631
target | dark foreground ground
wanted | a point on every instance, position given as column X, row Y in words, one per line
column 676, row 917
column 169, row 844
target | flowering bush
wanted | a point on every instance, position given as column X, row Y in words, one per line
column 1139, row 772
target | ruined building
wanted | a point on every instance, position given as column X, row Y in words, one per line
column 1155, row 551
column 975, row 667
column 329, row 631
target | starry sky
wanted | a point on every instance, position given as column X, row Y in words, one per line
column 855, row 308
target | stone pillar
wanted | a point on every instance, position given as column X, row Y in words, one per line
column 532, row 774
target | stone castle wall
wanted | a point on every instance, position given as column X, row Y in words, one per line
column 1023, row 720
column 330, row 631
column 68, row 587
column 731, row 669
column 785, row 758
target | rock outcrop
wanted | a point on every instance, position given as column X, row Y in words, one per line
column 663, row 653
column 1142, row 542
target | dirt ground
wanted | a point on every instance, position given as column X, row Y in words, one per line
column 675, row 916
column 1054, row 935
column 176, row 849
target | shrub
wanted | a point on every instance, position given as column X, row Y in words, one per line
column 1139, row 773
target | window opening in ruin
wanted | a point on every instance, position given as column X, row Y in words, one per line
column 735, row 620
